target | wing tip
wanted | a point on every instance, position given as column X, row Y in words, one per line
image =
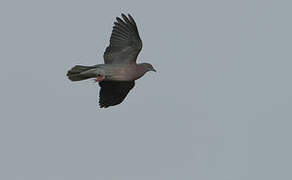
column 126, row 19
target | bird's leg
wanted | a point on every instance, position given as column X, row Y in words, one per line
column 99, row 78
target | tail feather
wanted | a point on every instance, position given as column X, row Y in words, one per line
column 78, row 73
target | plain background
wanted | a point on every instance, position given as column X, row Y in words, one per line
column 219, row 106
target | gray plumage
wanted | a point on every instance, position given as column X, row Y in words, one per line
column 118, row 73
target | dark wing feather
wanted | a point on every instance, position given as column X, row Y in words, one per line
column 114, row 92
column 125, row 42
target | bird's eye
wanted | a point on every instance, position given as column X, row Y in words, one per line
column 99, row 75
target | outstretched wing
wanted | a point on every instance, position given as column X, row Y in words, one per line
column 114, row 92
column 125, row 42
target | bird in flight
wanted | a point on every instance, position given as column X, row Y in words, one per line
column 117, row 75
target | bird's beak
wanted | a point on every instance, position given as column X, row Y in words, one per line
column 153, row 70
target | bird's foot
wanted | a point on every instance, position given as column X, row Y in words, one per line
column 99, row 78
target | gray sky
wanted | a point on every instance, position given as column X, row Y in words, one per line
column 219, row 106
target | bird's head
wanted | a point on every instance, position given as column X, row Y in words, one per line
column 148, row 67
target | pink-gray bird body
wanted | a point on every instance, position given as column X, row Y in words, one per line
column 118, row 73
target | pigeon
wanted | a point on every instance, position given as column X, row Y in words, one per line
column 116, row 77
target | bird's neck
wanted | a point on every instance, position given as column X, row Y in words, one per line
column 140, row 70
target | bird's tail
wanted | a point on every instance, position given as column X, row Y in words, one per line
column 79, row 73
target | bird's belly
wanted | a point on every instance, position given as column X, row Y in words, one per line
column 125, row 73
column 120, row 76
